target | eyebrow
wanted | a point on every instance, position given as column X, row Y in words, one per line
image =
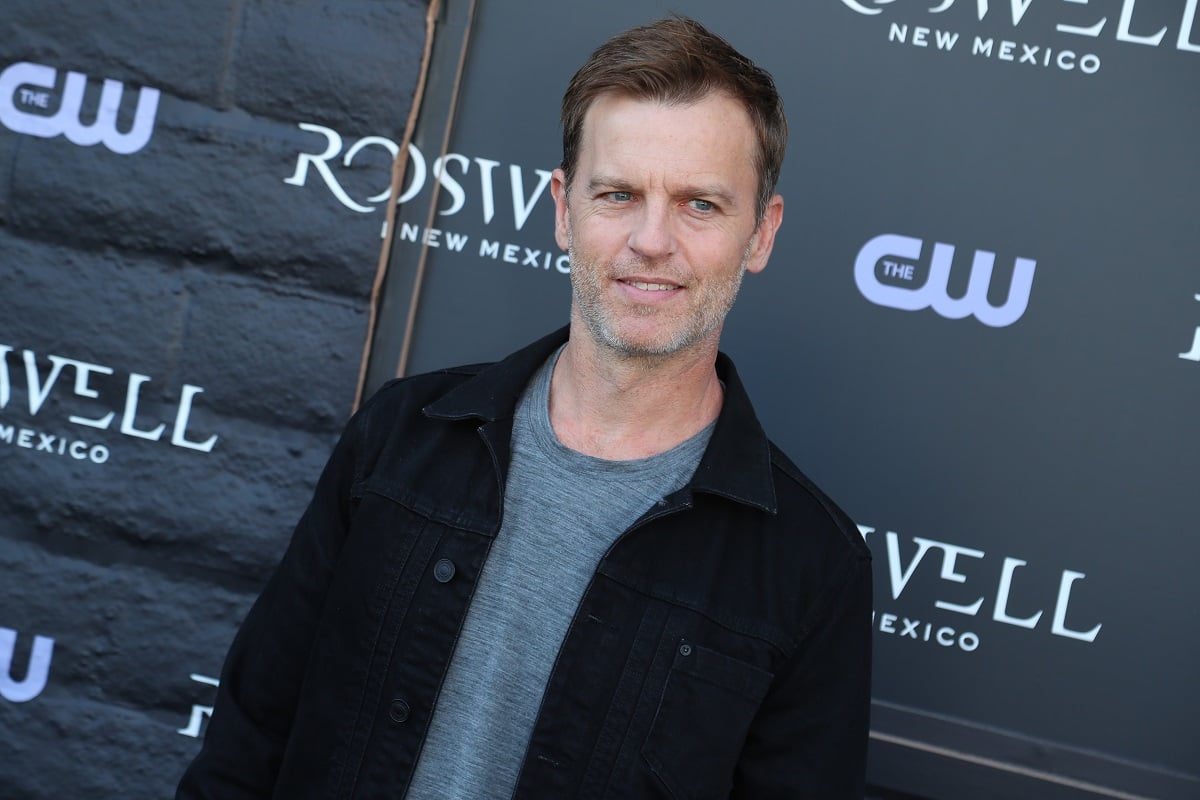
column 604, row 182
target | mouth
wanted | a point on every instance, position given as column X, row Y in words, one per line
column 649, row 286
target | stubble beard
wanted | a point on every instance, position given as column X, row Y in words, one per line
column 714, row 301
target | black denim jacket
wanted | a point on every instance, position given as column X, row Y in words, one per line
column 721, row 649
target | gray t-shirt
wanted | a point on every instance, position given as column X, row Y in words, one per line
column 562, row 511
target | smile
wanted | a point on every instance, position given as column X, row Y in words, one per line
column 652, row 287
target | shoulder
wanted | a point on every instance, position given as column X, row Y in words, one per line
column 409, row 395
column 803, row 507
column 393, row 418
column 428, row 384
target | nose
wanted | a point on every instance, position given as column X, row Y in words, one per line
column 652, row 236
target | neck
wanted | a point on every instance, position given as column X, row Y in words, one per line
column 618, row 407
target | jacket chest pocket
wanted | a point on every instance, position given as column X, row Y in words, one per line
column 702, row 719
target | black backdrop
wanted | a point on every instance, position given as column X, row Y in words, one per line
column 201, row 264
column 1020, row 452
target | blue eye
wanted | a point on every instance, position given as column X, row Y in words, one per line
column 620, row 197
column 702, row 205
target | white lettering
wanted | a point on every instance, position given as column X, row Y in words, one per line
column 199, row 713
column 457, row 194
column 1123, row 31
column 1184, row 41
column 934, row 291
column 131, row 404
column 521, row 207
column 913, row 629
column 179, row 432
column 1000, row 612
column 899, row 579
column 82, row 371
column 37, row 391
column 1190, row 355
column 5, row 382
column 1019, row 7
column 36, row 674
column 1081, row 31
column 1059, row 627
column 487, row 190
column 333, row 141
column 376, row 141
column 948, row 574
column 66, row 121
column 854, row 5
column 946, row 40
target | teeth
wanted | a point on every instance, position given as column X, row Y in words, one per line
column 652, row 287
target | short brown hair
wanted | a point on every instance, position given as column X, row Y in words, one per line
column 678, row 60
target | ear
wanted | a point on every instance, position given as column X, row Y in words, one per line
column 558, row 190
column 764, row 238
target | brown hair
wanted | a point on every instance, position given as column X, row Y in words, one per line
column 677, row 60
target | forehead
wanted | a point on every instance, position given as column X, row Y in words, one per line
column 713, row 136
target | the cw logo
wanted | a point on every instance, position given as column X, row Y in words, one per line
column 32, row 83
column 898, row 255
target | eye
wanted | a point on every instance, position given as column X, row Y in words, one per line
column 701, row 205
column 620, row 197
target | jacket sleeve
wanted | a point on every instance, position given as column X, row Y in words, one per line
column 809, row 738
column 263, row 671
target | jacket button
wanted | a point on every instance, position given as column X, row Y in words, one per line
column 685, row 649
column 443, row 570
column 398, row 711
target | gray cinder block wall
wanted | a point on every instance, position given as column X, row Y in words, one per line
column 184, row 299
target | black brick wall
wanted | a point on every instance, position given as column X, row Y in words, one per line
column 190, row 262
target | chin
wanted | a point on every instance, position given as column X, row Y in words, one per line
column 645, row 344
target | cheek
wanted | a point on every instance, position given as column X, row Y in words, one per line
column 595, row 235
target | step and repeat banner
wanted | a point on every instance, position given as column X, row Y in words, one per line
column 979, row 332
column 191, row 200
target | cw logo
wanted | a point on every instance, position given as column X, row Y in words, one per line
column 36, row 673
column 33, row 85
column 898, row 255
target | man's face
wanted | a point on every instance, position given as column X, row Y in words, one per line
column 660, row 221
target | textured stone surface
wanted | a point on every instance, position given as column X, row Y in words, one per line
column 187, row 272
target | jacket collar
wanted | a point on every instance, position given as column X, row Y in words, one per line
column 736, row 464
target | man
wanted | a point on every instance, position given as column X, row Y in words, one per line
column 583, row 571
